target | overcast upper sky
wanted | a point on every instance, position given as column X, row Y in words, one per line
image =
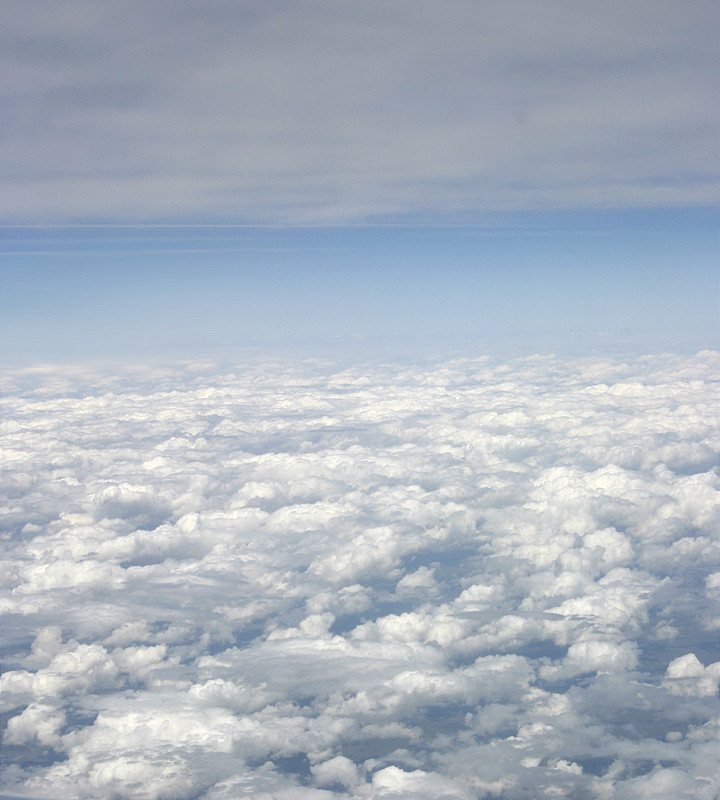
column 322, row 112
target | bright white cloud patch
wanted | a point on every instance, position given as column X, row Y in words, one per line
column 288, row 580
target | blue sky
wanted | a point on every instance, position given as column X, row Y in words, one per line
column 632, row 281
column 463, row 175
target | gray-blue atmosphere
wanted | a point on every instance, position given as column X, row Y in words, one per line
column 359, row 400
column 646, row 281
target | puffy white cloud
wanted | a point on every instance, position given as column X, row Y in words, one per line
column 297, row 580
column 38, row 721
column 78, row 670
column 420, row 581
column 686, row 675
column 595, row 656
column 338, row 771
column 67, row 574
column 140, row 660
column 395, row 782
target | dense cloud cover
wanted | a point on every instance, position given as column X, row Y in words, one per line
column 327, row 112
column 459, row 580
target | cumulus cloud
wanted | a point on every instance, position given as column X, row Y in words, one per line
column 467, row 579
column 687, row 675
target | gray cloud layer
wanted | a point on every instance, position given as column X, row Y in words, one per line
column 329, row 111
column 459, row 581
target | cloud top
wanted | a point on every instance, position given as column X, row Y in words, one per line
column 467, row 579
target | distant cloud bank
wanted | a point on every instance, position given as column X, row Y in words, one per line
column 294, row 580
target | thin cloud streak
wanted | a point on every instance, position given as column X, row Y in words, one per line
column 160, row 251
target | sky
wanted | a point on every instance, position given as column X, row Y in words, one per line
column 235, row 175
column 359, row 400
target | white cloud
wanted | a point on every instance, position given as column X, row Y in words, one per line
column 686, row 675
column 462, row 580
column 39, row 722
column 595, row 656
column 336, row 771
column 395, row 782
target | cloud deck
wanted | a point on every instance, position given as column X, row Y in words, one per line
column 458, row 580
